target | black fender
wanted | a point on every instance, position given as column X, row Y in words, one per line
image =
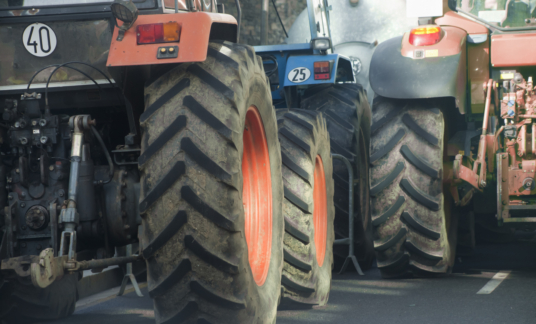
column 360, row 53
column 393, row 75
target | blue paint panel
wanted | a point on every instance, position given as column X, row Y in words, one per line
column 282, row 47
column 281, row 54
column 308, row 61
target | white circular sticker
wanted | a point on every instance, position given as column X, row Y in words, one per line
column 299, row 75
column 39, row 39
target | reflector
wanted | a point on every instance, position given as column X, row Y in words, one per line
column 322, row 70
column 425, row 36
column 158, row 33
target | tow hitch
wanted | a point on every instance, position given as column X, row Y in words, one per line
column 45, row 268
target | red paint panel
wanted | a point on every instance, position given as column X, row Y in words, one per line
column 453, row 19
column 193, row 42
column 513, row 50
column 450, row 44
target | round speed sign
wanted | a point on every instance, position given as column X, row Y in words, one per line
column 39, row 39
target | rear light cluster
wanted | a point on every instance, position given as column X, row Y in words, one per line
column 322, row 70
column 425, row 36
column 158, row 33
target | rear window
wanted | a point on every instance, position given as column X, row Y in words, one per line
column 502, row 13
column 41, row 3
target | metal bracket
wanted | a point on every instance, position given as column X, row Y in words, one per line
column 68, row 244
column 350, row 240
column 48, row 270
column 129, row 275
column 503, row 190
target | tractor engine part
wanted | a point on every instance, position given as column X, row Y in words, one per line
column 516, row 167
column 36, row 184
column 121, row 196
column 510, row 131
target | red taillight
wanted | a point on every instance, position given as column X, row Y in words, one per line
column 158, row 33
column 424, row 36
column 322, row 71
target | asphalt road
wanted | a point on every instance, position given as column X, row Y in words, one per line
column 371, row 299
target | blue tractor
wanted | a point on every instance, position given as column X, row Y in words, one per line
column 311, row 77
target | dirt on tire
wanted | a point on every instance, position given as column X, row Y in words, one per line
column 348, row 116
column 304, row 139
column 192, row 204
column 411, row 216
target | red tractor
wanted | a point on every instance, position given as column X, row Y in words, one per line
column 453, row 133
column 200, row 191
column 79, row 83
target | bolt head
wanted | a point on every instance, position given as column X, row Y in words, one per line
column 22, row 205
column 51, row 168
column 34, row 122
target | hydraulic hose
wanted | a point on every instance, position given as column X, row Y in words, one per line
column 108, row 157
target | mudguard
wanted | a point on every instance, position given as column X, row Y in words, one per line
column 341, row 69
column 290, row 57
column 195, row 34
column 402, row 71
column 360, row 53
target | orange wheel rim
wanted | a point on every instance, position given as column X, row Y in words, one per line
column 320, row 213
column 257, row 196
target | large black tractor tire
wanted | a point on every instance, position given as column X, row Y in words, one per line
column 348, row 116
column 414, row 226
column 203, row 127
column 23, row 303
column 308, row 206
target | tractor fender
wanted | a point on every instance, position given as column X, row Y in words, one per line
column 360, row 53
column 197, row 29
column 300, row 70
column 400, row 70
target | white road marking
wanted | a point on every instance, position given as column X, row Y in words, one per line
column 493, row 283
